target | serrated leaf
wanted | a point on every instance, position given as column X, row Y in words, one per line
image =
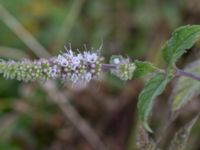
column 186, row 88
column 154, row 87
column 143, row 68
column 182, row 39
column 180, row 139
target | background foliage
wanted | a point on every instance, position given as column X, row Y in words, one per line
column 137, row 28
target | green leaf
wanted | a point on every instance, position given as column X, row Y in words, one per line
column 154, row 87
column 4, row 145
column 182, row 39
column 186, row 88
column 143, row 68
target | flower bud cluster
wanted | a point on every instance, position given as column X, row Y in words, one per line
column 124, row 68
column 77, row 69
column 26, row 70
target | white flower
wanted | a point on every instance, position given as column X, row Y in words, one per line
column 74, row 78
column 88, row 76
column 88, row 57
column 62, row 61
column 116, row 61
column 75, row 62
column 69, row 54
column 80, row 56
column 54, row 72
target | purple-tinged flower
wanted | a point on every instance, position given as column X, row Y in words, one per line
column 62, row 61
column 74, row 78
column 68, row 54
column 88, row 76
column 75, row 62
column 90, row 57
column 55, row 71
column 76, row 68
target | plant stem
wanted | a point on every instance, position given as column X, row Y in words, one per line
column 108, row 66
column 187, row 74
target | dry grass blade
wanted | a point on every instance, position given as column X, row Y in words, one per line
column 69, row 21
column 181, row 137
column 22, row 33
column 83, row 127
column 7, row 125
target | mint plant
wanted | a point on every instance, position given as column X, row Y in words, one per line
column 79, row 68
column 182, row 39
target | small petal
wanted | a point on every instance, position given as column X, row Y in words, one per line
column 74, row 78
column 88, row 76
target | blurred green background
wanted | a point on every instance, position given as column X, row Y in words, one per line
column 134, row 28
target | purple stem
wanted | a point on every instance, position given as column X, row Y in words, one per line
column 187, row 74
column 108, row 66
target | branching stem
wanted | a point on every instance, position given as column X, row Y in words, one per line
column 180, row 73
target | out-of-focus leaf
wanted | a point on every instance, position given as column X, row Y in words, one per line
column 8, row 146
column 182, row 39
column 8, row 88
column 186, row 88
column 7, row 127
column 181, row 137
column 154, row 87
column 143, row 68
